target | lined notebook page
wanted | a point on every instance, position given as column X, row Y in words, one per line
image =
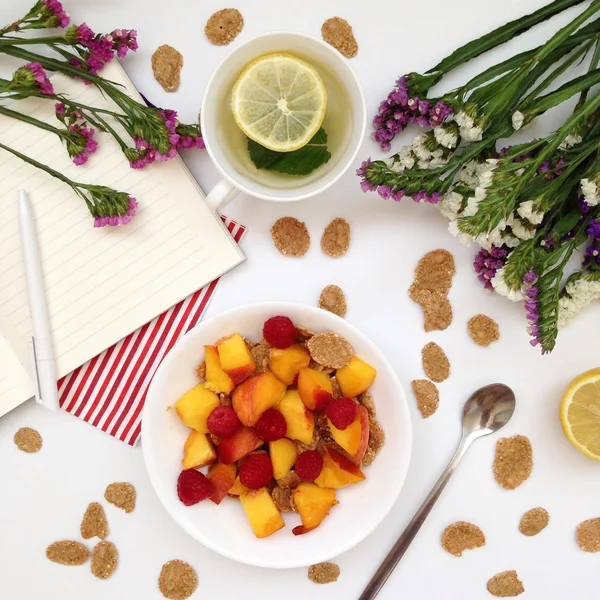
column 101, row 284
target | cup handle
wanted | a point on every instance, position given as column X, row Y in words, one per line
column 223, row 193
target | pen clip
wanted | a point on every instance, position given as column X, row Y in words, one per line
column 38, row 395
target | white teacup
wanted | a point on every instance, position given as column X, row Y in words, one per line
column 345, row 122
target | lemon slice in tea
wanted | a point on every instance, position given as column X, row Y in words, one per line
column 580, row 413
column 279, row 101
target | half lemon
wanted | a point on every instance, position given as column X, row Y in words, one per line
column 279, row 101
column 580, row 413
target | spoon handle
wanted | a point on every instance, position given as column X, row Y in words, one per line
column 401, row 546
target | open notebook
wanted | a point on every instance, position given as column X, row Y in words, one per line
column 101, row 284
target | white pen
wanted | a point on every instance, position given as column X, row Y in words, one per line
column 41, row 342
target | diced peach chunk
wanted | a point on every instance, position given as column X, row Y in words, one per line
column 286, row 364
column 315, row 389
column 262, row 513
column 222, row 477
column 251, row 398
column 216, row 379
column 283, row 455
column 198, row 451
column 338, row 471
column 235, row 357
column 313, row 504
column 238, row 488
column 195, row 405
column 240, row 444
column 300, row 421
column 355, row 437
column 356, row 377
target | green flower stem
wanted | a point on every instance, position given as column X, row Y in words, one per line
column 593, row 65
column 501, row 35
column 14, row 41
column 32, row 121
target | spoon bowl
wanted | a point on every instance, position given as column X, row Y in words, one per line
column 487, row 410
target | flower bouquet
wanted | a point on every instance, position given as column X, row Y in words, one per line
column 528, row 206
column 152, row 134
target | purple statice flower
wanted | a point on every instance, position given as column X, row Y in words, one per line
column 101, row 52
column 84, row 34
column 584, row 207
column 367, row 186
column 34, row 74
column 593, row 229
column 550, row 170
column 84, row 142
column 385, row 191
column 59, row 109
column 423, row 196
column 548, row 243
column 188, row 141
column 401, row 108
column 54, row 8
column 124, row 40
column 487, row 262
column 531, row 306
column 116, row 220
column 592, row 254
column 362, row 170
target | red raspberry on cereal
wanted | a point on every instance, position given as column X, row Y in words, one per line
column 271, row 426
column 308, row 465
column 223, row 421
column 193, row 487
column 341, row 412
column 256, row 471
column 279, row 332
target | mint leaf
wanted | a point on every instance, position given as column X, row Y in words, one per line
column 299, row 162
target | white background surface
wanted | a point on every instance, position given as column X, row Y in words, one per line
column 43, row 496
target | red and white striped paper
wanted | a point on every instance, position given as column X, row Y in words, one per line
column 109, row 391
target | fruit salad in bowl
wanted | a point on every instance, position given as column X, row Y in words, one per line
column 276, row 434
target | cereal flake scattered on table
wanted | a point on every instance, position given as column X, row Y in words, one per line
column 434, row 272
column 533, row 521
column 290, row 236
column 375, row 443
column 332, row 299
column 122, row 495
column 104, row 560
column 483, row 330
column 337, row 32
column 167, row 63
column 177, row 580
column 588, row 535
column 335, row 240
column 94, row 522
column 437, row 312
column 28, row 440
column 224, row 26
column 513, row 461
column 435, row 362
column 330, row 350
column 505, row 585
column 67, row 552
column 427, row 395
column 461, row 536
column 324, row 572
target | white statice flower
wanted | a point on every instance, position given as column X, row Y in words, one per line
column 468, row 130
column 419, row 149
column 525, row 211
column 520, row 230
column 438, row 162
column 499, row 236
column 571, row 140
column 473, row 202
column 450, row 205
column 581, row 292
column 463, row 119
column 518, row 118
column 589, row 189
column 502, row 288
column 464, row 238
column 393, row 164
column 445, row 138
column 468, row 174
column 407, row 160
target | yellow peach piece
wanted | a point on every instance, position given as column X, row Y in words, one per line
column 338, row 471
column 315, row 389
column 235, row 357
column 355, row 437
column 216, row 379
column 222, row 477
column 299, row 420
column 251, row 398
column 195, row 405
column 313, row 503
column 356, row 377
column 286, row 364
column 198, row 451
column 283, row 455
column 262, row 513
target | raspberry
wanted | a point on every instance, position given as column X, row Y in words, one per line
column 309, row 465
column 256, row 471
column 193, row 487
column 341, row 412
column 279, row 332
column 223, row 421
column 271, row 426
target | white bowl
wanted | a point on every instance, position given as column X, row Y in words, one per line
column 224, row 528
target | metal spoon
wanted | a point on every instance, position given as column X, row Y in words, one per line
column 486, row 411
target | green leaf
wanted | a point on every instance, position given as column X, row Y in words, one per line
column 299, row 162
